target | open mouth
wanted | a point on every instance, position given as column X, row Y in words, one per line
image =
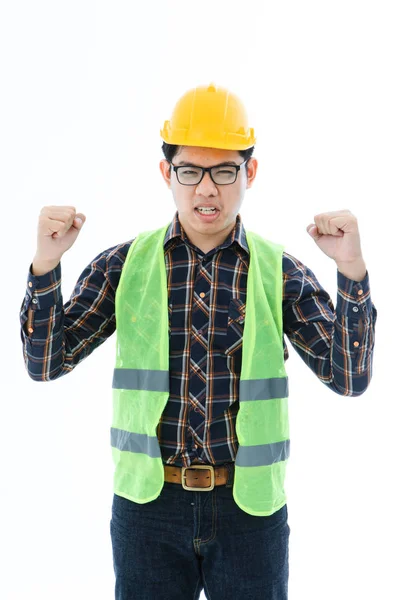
column 207, row 216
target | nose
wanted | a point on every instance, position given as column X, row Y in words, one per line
column 207, row 187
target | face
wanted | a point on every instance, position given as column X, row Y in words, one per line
column 207, row 234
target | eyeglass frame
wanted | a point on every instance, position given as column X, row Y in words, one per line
column 208, row 170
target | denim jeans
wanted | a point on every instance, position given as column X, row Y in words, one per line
column 183, row 542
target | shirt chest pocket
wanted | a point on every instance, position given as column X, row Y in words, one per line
column 235, row 326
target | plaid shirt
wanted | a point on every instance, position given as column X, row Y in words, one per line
column 206, row 304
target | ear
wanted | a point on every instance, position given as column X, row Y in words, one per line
column 165, row 168
column 252, row 166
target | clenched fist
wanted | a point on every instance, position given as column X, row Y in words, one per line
column 58, row 229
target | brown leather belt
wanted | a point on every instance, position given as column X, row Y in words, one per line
column 200, row 478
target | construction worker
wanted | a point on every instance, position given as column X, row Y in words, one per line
column 200, row 433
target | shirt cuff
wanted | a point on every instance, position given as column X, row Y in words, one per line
column 353, row 297
column 43, row 291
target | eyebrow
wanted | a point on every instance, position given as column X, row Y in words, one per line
column 183, row 163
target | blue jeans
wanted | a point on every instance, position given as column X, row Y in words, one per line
column 184, row 542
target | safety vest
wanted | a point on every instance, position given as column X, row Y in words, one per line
column 141, row 378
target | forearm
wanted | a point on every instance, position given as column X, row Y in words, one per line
column 57, row 336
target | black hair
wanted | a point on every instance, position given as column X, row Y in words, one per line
column 170, row 150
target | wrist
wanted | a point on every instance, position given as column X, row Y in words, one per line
column 41, row 267
column 355, row 270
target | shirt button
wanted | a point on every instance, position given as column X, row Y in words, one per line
column 355, row 309
column 356, row 344
column 34, row 301
column 30, row 284
column 202, row 294
column 359, row 292
column 30, row 330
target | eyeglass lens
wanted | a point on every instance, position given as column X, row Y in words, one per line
column 221, row 175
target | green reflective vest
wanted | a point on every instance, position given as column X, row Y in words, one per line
column 141, row 378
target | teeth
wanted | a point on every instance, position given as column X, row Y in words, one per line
column 207, row 210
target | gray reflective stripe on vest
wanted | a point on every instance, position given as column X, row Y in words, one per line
column 135, row 442
column 158, row 381
column 155, row 380
column 263, row 389
column 264, row 454
column 247, row 456
column 141, row 379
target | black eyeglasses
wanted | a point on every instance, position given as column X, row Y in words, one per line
column 223, row 174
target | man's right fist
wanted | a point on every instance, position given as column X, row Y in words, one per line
column 58, row 229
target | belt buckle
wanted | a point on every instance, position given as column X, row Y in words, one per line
column 201, row 489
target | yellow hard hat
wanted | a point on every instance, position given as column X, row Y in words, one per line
column 209, row 116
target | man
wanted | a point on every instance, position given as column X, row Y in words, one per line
column 193, row 386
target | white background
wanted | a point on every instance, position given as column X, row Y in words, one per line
column 85, row 88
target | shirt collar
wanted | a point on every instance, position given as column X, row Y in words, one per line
column 175, row 231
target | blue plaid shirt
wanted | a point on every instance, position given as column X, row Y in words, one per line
column 206, row 303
